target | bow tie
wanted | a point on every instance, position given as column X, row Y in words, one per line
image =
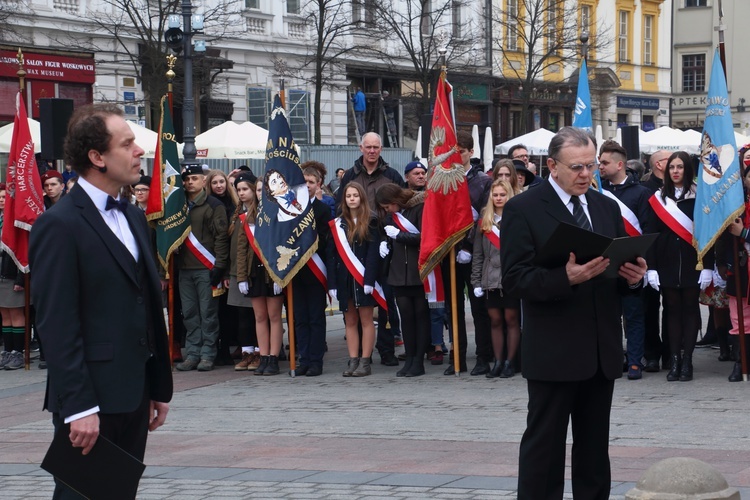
column 120, row 205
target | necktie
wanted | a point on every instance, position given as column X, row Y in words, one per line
column 120, row 205
column 579, row 215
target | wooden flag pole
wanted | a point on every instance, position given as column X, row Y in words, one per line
column 454, row 313
column 170, row 310
column 290, row 322
column 27, row 317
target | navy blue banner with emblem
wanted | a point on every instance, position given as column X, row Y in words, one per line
column 285, row 229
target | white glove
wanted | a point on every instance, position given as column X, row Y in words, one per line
column 392, row 231
column 706, row 278
column 244, row 287
column 478, row 292
column 276, row 289
column 463, row 257
column 718, row 280
column 384, row 250
column 332, row 293
column 652, row 277
column 368, row 290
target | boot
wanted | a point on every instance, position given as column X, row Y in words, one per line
column 262, row 366
column 350, row 367
column 723, row 338
column 364, row 369
column 736, row 375
column 497, row 368
column 417, row 367
column 674, row 369
column 407, row 366
column 686, row 371
column 273, row 366
column 508, row 370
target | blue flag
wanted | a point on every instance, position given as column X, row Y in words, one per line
column 285, row 229
column 719, row 198
column 582, row 112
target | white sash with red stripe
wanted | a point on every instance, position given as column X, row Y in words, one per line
column 352, row 263
column 433, row 284
column 671, row 215
column 199, row 251
column 493, row 236
column 632, row 226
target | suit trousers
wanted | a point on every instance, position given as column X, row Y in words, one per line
column 541, row 466
column 200, row 313
column 129, row 431
column 309, row 321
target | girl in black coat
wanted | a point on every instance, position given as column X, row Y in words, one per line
column 360, row 231
column 406, row 206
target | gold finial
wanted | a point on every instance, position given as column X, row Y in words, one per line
column 21, row 73
column 171, row 61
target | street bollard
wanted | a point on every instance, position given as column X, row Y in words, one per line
column 682, row 478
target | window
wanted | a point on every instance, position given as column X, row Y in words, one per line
column 622, row 36
column 552, row 25
column 252, row 4
column 648, row 123
column 456, row 11
column 259, row 106
column 694, row 73
column 299, row 116
column 357, row 10
column 648, row 25
column 695, row 3
column 292, row 6
column 511, row 42
column 586, row 17
column 622, row 120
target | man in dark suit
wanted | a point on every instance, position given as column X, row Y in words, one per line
column 571, row 346
column 98, row 296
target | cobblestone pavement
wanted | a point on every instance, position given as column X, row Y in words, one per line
column 234, row 435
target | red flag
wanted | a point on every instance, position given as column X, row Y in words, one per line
column 447, row 209
column 24, row 201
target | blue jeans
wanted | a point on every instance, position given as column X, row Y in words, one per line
column 633, row 314
column 437, row 319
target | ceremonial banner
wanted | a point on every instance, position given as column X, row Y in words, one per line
column 167, row 205
column 24, row 201
column 447, row 208
column 285, row 230
column 719, row 198
column 582, row 112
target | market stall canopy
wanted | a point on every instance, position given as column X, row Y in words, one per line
column 536, row 142
column 669, row 139
column 6, row 136
column 232, row 140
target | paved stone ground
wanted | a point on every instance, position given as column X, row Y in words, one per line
column 235, row 435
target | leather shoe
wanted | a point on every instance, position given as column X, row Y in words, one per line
column 652, row 366
column 451, row 371
column 736, row 375
column 388, row 359
column 314, row 371
column 481, row 368
column 301, row 370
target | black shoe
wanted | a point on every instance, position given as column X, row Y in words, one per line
column 496, row 369
column 652, row 366
column 708, row 340
column 686, row 370
column 314, row 371
column 451, row 371
column 273, row 366
column 407, row 366
column 736, row 375
column 674, row 370
column 724, row 353
column 508, row 370
column 43, row 365
column 417, row 367
column 481, row 368
column 301, row 370
column 262, row 366
column 388, row 359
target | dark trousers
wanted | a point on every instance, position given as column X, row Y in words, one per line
column 309, row 321
column 482, row 331
column 127, row 430
column 415, row 319
column 654, row 346
column 541, row 466
column 385, row 341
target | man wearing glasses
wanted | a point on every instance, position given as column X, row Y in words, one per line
column 571, row 345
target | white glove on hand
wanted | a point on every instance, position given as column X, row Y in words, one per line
column 463, row 257
column 706, row 278
column 332, row 293
column 276, row 289
column 478, row 292
column 392, row 231
column 244, row 287
column 652, row 277
column 368, row 290
column 384, row 250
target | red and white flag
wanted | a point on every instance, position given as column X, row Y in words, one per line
column 24, row 199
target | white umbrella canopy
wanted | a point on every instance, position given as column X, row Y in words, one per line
column 536, row 142
column 475, row 135
column 6, row 136
column 668, row 139
column 145, row 138
column 232, row 140
column 487, row 151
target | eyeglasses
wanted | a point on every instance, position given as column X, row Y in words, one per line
column 521, row 156
column 577, row 167
column 141, row 190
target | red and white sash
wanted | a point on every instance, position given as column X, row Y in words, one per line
column 632, row 226
column 352, row 263
column 250, row 233
column 671, row 215
column 433, row 284
column 493, row 235
column 199, row 251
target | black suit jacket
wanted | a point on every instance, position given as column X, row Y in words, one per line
column 568, row 331
column 94, row 315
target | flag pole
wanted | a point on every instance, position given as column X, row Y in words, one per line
column 454, row 312
column 21, row 73
column 171, row 60
column 735, row 239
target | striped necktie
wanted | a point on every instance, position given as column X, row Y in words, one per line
column 579, row 215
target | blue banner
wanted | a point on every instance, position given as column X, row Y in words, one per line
column 285, row 230
column 719, row 198
column 582, row 112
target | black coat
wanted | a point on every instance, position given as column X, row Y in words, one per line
column 341, row 279
column 404, row 268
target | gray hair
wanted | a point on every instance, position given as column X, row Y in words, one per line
column 569, row 136
column 362, row 139
column 636, row 166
